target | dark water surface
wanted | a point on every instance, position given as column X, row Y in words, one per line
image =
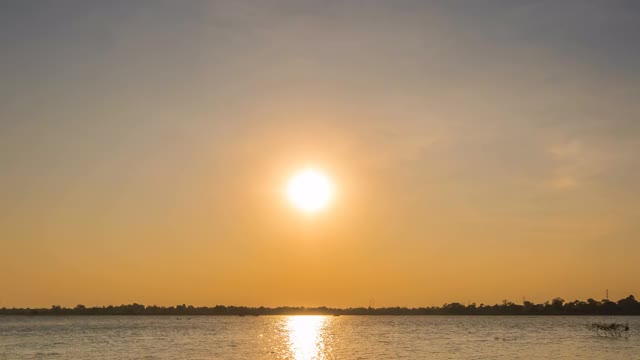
column 313, row 337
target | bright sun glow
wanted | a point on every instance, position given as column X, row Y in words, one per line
column 310, row 190
column 306, row 336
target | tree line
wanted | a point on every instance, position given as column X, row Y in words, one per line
column 558, row 306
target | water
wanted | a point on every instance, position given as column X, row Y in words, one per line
column 312, row 337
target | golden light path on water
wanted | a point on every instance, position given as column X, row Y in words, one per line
column 305, row 334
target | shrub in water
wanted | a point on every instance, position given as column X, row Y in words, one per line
column 610, row 329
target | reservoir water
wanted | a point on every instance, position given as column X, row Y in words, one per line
column 313, row 337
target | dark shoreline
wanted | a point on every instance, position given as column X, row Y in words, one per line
column 313, row 314
column 628, row 306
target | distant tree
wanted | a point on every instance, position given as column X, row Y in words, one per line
column 629, row 305
column 609, row 308
column 557, row 303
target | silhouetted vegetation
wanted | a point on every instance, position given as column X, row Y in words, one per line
column 610, row 329
column 626, row 306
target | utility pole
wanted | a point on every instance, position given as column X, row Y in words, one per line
column 607, row 294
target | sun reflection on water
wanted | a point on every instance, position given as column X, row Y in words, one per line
column 305, row 336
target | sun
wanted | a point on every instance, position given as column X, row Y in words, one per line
column 310, row 190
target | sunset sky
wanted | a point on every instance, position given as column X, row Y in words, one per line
column 479, row 150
